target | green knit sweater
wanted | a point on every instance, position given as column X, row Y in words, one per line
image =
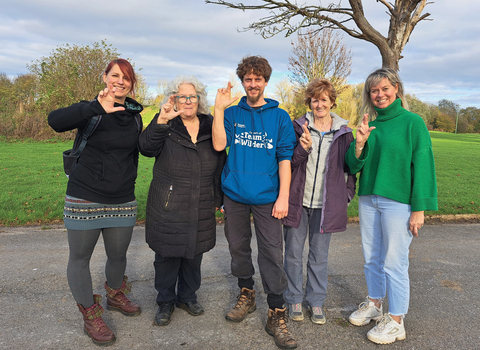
column 397, row 160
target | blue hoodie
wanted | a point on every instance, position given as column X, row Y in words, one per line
column 258, row 139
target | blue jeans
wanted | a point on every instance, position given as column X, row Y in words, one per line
column 385, row 241
column 317, row 277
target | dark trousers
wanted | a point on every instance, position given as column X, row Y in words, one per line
column 177, row 279
column 269, row 235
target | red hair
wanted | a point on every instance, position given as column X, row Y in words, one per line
column 126, row 69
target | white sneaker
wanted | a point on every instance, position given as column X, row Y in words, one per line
column 366, row 312
column 387, row 331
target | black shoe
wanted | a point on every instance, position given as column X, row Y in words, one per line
column 164, row 313
column 193, row 308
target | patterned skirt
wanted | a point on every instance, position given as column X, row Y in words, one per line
column 80, row 214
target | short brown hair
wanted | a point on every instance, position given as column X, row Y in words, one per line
column 318, row 86
column 256, row 65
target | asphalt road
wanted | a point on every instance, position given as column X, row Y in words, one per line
column 37, row 310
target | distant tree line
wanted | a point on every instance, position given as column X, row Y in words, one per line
column 71, row 73
column 74, row 73
column 445, row 116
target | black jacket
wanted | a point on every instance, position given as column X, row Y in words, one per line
column 107, row 168
column 185, row 188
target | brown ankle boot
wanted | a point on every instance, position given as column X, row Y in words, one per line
column 117, row 301
column 277, row 327
column 94, row 325
column 245, row 304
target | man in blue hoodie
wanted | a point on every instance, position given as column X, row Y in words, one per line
column 256, row 180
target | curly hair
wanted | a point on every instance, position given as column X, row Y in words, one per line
column 256, row 65
column 374, row 79
column 318, row 86
column 201, row 89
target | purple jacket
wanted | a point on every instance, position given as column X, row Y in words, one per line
column 337, row 192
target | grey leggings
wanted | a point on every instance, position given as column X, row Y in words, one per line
column 82, row 244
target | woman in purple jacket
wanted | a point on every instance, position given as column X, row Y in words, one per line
column 320, row 191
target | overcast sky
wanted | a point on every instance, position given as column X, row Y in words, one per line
column 170, row 37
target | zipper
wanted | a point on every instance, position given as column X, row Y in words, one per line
column 316, row 171
column 168, row 196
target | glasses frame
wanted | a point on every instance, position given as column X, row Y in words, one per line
column 187, row 98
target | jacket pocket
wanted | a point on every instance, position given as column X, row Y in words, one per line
column 259, row 187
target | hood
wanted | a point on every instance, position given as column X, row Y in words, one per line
column 269, row 104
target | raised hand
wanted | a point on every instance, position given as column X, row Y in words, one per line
column 167, row 112
column 306, row 138
column 106, row 98
column 223, row 98
column 363, row 132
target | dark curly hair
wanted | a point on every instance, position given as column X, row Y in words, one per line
column 256, row 65
column 318, row 86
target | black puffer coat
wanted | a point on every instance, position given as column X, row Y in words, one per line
column 185, row 188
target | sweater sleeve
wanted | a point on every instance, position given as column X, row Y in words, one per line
column 355, row 164
column 152, row 139
column 351, row 177
column 74, row 116
column 424, row 182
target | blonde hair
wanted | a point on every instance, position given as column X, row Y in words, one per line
column 374, row 79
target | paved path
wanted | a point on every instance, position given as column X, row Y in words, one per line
column 37, row 310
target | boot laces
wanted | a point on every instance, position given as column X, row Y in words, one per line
column 99, row 323
column 280, row 321
column 242, row 301
column 121, row 297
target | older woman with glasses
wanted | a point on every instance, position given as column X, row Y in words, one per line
column 184, row 194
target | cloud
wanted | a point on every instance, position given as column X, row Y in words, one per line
column 167, row 38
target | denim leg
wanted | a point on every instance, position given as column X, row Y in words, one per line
column 397, row 240
column 372, row 245
column 317, row 274
column 385, row 241
column 293, row 264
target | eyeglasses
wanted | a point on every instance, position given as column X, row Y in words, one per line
column 183, row 98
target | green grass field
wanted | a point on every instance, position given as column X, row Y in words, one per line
column 33, row 183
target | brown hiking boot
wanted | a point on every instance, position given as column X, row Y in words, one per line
column 277, row 327
column 117, row 301
column 245, row 305
column 94, row 325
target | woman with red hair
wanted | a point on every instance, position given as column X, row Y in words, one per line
column 100, row 195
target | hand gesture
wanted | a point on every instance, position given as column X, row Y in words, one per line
column 363, row 132
column 306, row 138
column 224, row 99
column 167, row 112
column 106, row 98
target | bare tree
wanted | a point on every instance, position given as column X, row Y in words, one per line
column 320, row 55
column 142, row 95
column 290, row 17
column 284, row 91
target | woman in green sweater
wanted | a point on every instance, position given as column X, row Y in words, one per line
column 393, row 154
